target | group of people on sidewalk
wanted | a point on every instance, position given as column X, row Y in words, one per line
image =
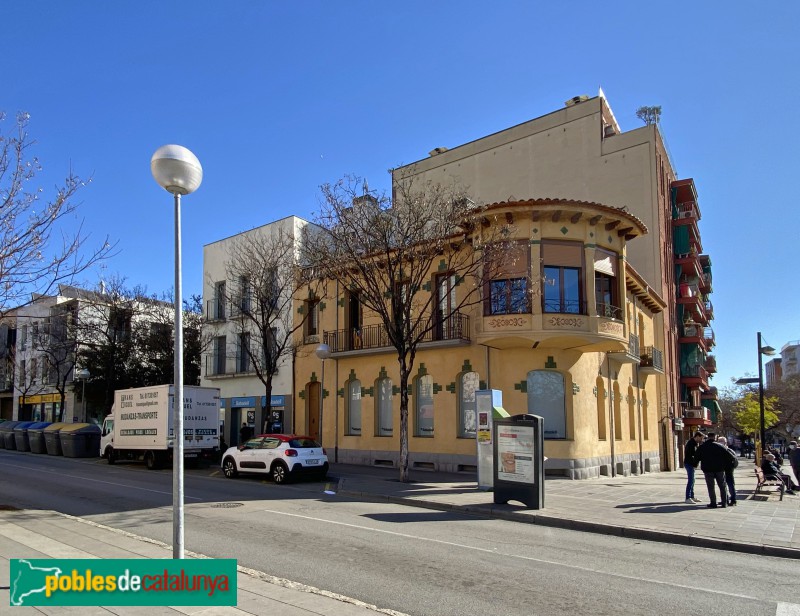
column 717, row 462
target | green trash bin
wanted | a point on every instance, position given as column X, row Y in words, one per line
column 7, row 434
column 36, row 437
column 51, row 440
column 80, row 440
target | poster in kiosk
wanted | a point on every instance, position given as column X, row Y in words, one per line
column 519, row 460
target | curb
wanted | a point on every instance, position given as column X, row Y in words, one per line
column 498, row 512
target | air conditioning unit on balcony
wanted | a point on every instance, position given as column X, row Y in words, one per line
column 695, row 414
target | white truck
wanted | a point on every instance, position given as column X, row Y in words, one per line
column 140, row 426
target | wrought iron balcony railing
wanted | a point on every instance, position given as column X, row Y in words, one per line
column 454, row 328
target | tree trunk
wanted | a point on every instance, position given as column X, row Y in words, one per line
column 403, row 422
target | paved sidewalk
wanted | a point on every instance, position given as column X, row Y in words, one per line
column 47, row 534
column 646, row 507
column 649, row 506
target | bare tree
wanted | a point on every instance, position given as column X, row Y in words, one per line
column 36, row 250
column 387, row 252
column 787, row 403
column 264, row 269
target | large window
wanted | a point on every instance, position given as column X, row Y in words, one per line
column 220, row 353
column 507, row 288
column 243, row 353
column 219, row 300
column 354, row 407
column 445, row 322
column 606, row 289
column 467, row 411
column 562, row 278
column 423, row 406
column 312, row 321
column 546, row 399
column 509, row 296
column 383, row 403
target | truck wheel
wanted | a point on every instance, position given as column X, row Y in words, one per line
column 151, row 461
column 110, row 455
column 229, row 468
column 280, row 474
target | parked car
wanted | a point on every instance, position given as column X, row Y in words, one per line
column 284, row 456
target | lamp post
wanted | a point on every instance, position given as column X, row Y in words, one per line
column 762, row 350
column 83, row 374
column 323, row 352
column 179, row 172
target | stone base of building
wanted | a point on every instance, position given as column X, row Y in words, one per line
column 585, row 468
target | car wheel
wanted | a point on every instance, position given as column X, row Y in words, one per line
column 280, row 474
column 110, row 455
column 229, row 468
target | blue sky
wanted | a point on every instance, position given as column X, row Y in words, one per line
column 276, row 98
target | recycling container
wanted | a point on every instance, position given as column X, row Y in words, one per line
column 36, row 437
column 51, row 440
column 80, row 440
column 21, row 435
column 7, row 434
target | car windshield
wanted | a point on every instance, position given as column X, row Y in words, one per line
column 303, row 443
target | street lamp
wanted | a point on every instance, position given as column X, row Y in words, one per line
column 82, row 375
column 762, row 350
column 179, row 172
column 323, row 352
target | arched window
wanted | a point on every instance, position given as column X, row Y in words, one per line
column 601, row 409
column 384, row 425
column 546, row 398
column 423, row 405
column 468, row 383
column 354, row 407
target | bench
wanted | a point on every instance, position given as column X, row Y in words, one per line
column 774, row 482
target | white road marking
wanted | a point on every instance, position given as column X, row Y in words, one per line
column 111, row 483
column 787, row 609
column 539, row 560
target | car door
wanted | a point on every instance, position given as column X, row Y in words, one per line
column 269, row 451
column 248, row 458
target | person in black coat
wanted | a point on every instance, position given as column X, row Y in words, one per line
column 690, row 462
column 731, row 463
column 713, row 460
column 773, row 471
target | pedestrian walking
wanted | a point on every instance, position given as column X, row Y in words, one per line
column 690, row 462
column 713, row 459
column 732, row 463
column 794, row 460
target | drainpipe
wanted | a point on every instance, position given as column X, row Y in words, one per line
column 335, row 385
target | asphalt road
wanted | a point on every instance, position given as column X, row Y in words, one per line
column 415, row 561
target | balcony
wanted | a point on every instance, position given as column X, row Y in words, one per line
column 711, row 364
column 453, row 330
column 631, row 355
column 694, row 376
column 709, row 308
column 608, row 311
column 223, row 366
column 651, row 361
column 697, row 416
column 215, row 310
column 708, row 338
column 710, row 394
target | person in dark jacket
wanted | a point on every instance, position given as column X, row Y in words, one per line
column 794, row 460
column 773, row 471
column 713, row 459
column 690, row 462
column 732, row 463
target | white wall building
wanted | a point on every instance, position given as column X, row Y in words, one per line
column 229, row 334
